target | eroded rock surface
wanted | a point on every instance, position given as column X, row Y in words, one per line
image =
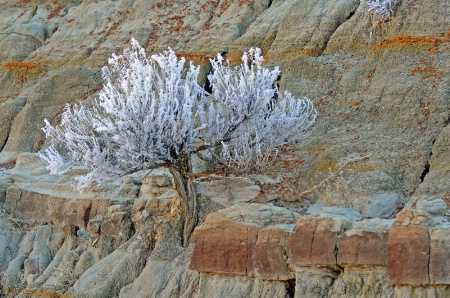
column 381, row 88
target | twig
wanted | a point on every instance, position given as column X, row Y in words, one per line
column 199, row 177
column 321, row 183
column 17, row 223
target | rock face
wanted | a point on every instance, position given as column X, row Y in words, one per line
column 381, row 88
column 245, row 240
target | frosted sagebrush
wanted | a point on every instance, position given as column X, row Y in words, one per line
column 152, row 113
column 384, row 9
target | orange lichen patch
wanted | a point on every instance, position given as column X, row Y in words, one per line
column 116, row 25
column 446, row 198
column 44, row 294
column 23, row 70
column 310, row 52
column 224, row 5
column 344, row 115
column 112, row 29
column 5, row 98
column 427, row 71
column 193, row 56
column 249, row 3
column 355, row 104
column 425, row 111
column 90, row 92
column 24, row 67
column 55, row 11
column 370, row 74
column 207, row 27
column 447, row 36
column 430, row 43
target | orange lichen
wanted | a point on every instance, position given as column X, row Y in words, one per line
column 44, row 294
column 310, row 52
column 427, row 71
column 189, row 56
column 116, row 25
column 430, row 43
column 55, row 11
column 23, row 70
column 344, row 115
column 112, row 29
column 355, row 104
column 370, row 74
column 24, row 67
column 425, row 111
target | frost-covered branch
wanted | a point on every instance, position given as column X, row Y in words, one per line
column 248, row 117
column 152, row 113
column 384, row 9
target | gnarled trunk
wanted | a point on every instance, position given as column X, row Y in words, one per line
column 183, row 185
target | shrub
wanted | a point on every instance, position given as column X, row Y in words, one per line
column 152, row 113
column 384, row 9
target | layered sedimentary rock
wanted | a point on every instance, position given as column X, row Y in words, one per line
column 381, row 88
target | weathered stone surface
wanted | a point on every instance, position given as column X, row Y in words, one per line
column 314, row 282
column 402, row 122
column 432, row 205
column 12, row 277
column 57, row 210
column 10, row 235
column 314, row 240
column 108, row 276
column 230, row 191
column 168, row 279
column 174, row 279
column 439, row 267
column 317, row 20
column 423, row 292
column 363, row 282
column 242, row 287
column 47, row 242
column 434, row 182
column 225, row 249
column 365, row 244
column 246, row 239
column 270, row 259
column 409, row 248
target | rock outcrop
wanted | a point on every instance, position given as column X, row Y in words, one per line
column 380, row 145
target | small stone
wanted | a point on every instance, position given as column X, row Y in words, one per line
column 432, row 205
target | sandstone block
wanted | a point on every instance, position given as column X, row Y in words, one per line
column 271, row 254
column 225, row 248
column 409, row 248
column 117, row 224
column 314, row 240
column 440, row 256
column 60, row 211
column 245, row 239
column 365, row 244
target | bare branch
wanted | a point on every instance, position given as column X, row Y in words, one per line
column 331, row 176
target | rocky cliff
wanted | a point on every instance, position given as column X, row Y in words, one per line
column 376, row 225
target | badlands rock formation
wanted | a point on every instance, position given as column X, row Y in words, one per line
column 379, row 227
